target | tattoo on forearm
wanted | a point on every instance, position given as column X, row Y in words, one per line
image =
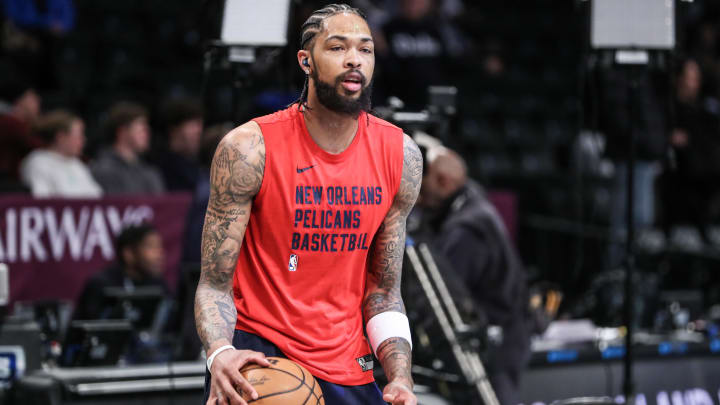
column 396, row 359
column 235, row 178
column 214, row 315
column 227, row 312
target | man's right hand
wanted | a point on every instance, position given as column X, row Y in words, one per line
column 226, row 382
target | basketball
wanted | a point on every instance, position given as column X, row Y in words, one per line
column 284, row 382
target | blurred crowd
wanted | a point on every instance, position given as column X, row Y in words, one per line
column 86, row 111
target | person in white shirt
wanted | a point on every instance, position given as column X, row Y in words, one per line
column 56, row 170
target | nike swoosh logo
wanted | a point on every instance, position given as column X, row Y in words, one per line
column 304, row 169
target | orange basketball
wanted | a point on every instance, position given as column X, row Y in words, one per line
column 284, row 382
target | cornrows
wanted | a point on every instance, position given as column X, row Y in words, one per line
column 312, row 27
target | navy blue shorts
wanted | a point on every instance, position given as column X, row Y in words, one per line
column 334, row 394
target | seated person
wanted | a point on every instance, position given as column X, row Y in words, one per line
column 120, row 168
column 468, row 231
column 56, row 170
column 140, row 263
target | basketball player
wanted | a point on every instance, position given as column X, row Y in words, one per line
column 305, row 231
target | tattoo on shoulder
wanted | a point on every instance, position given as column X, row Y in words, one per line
column 237, row 171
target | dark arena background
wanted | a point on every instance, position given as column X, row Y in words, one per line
column 563, row 116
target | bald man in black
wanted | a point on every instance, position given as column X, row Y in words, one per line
column 467, row 230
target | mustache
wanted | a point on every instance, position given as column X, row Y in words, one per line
column 342, row 77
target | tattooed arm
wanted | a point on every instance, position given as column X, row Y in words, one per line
column 235, row 178
column 382, row 292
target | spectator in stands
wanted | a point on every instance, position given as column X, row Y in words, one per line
column 56, row 170
column 140, row 263
column 695, row 141
column 19, row 108
column 120, row 168
column 179, row 162
column 469, row 233
column 416, row 50
column 138, row 272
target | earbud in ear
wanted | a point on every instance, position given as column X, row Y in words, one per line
column 305, row 62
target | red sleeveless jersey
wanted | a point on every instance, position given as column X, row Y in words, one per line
column 300, row 276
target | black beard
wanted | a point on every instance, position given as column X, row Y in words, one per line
column 329, row 96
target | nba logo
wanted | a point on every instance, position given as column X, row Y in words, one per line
column 292, row 266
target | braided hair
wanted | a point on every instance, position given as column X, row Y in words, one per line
column 312, row 27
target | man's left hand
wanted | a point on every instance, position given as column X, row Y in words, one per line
column 397, row 393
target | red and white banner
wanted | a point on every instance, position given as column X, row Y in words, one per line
column 53, row 245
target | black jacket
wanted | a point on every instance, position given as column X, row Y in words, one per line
column 471, row 235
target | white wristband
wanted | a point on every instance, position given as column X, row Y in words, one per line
column 385, row 325
column 215, row 353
